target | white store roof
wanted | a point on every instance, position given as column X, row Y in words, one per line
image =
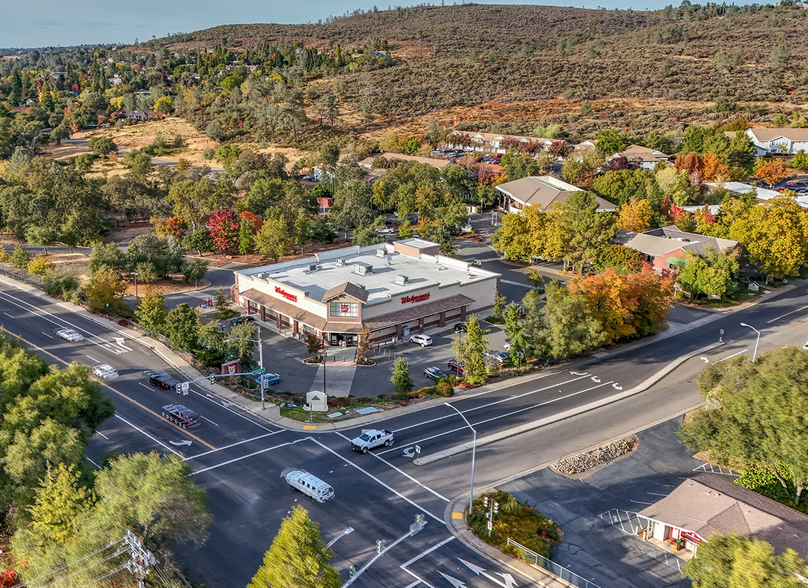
column 382, row 282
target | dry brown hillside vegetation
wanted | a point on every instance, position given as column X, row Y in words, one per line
column 470, row 54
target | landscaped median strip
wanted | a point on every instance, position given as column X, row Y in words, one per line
column 642, row 387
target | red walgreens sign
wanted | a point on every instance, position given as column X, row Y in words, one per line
column 411, row 299
column 285, row 294
column 344, row 308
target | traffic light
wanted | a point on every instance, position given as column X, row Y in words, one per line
column 496, row 507
column 485, row 501
column 212, row 379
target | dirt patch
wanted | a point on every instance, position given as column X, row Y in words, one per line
column 165, row 287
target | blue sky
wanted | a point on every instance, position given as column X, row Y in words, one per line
column 40, row 23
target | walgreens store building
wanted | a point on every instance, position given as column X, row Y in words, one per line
column 392, row 289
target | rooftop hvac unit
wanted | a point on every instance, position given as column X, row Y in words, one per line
column 363, row 268
column 340, row 262
column 380, row 253
column 313, row 267
column 401, row 279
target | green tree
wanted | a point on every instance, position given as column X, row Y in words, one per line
column 60, row 503
column 41, row 236
column 755, row 415
column 470, row 351
column 151, row 311
column 297, row 558
column 515, row 334
column 242, row 344
column 139, row 163
column 569, row 327
column 500, row 304
column 181, row 326
column 800, row 160
column 610, row 142
column 401, row 376
column 195, row 271
column 20, row 258
column 4, row 256
column 198, row 241
column 245, row 237
column 222, row 304
column 102, row 147
column 730, row 561
column 365, row 235
column 272, row 241
column 107, row 256
column 40, row 266
column 711, row 273
column 302, row 228
column 584, row 230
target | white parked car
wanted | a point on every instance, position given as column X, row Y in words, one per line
column 385, row 231
column 105, row 371
column 70, row 334
column 422, row 340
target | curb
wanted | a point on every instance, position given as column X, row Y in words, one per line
column 643, row 386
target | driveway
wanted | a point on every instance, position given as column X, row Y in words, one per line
column 593, row 548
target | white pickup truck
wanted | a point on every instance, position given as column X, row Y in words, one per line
column 371, row 439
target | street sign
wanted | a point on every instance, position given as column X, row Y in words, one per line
column 184, row 388
column 264, row 383
column 259, row 371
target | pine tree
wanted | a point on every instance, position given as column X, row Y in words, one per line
column 151, row 311
column 60, row 501
column 401, row 376
column 298, row 557
column 20, row 258
column 470, row 351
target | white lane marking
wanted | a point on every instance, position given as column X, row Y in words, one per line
column 253, row 454
column 44, row 333
column 425, row 553
column 377, row 480
column 229, row 446
column 509, row 414
column 512, row 283
column 655, row 494
column 785, row 315
column 638, row 502
column 136, row 428
column 35, row 310
column 145, row 386
column 218, row 402
column 8, row 315
column 494, row 403
column 406, row 475
column 92, row 359
column 412, row 584
column 734, row 354
column 102, row 434
column 207, row 419
column 92, row 462
column 119, row 341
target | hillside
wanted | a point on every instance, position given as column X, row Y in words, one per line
column 467, row 55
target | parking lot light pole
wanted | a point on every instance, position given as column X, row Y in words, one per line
column 473, row 452
column 754, row 354
column 135, row 275
column 260, row 360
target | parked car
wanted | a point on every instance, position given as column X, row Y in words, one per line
column 105, row 371
column 434, row 373
column 499, row 356
column 507, row 346
column 244, row 318
column 805, row 347
column 422, row 340
column 271, row 379
column 455, row 366
column 385, row 231
column 70, row 334
column 461, row 328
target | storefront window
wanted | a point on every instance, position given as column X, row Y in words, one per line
column 344, row 309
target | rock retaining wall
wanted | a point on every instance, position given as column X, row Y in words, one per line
column 584, row 462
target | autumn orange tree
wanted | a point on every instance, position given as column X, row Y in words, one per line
column 712, row 168
column 635, row 216
column 771, row 171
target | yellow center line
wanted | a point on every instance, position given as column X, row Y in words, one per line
column 799, row 325
column 133, row 401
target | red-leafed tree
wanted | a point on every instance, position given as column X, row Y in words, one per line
column 223, row 226
column 173, row 226
column 690, row 162
column 8, row 579
column 559, row 148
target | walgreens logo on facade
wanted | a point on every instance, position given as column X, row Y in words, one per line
column 285, row 294
column 411, row 299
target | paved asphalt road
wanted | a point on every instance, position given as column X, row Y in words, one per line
column 239, row 458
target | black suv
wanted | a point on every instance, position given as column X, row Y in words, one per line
column 461, row 328
column 242, row 319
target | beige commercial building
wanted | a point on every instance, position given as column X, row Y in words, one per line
column 393, row 290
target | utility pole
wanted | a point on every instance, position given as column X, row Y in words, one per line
column 140, row 558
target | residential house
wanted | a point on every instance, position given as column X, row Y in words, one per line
column 642, row 157
column 138, row 115
column 436, row 163
column 762, row 194
column 494, row 142
column 777, row 141
column 543, row 191
column 665, row 246
column 711, row 504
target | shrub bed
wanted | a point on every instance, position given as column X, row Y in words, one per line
column 520, row 522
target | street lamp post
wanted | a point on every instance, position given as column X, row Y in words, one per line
column 260, row 360
column 473, row 453
column 135, row 275
column 754, row 353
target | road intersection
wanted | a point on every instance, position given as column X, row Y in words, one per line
column 238, row 456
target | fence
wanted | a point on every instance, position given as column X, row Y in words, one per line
column 557, row 570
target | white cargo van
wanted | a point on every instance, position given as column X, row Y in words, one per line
column 309, row 485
